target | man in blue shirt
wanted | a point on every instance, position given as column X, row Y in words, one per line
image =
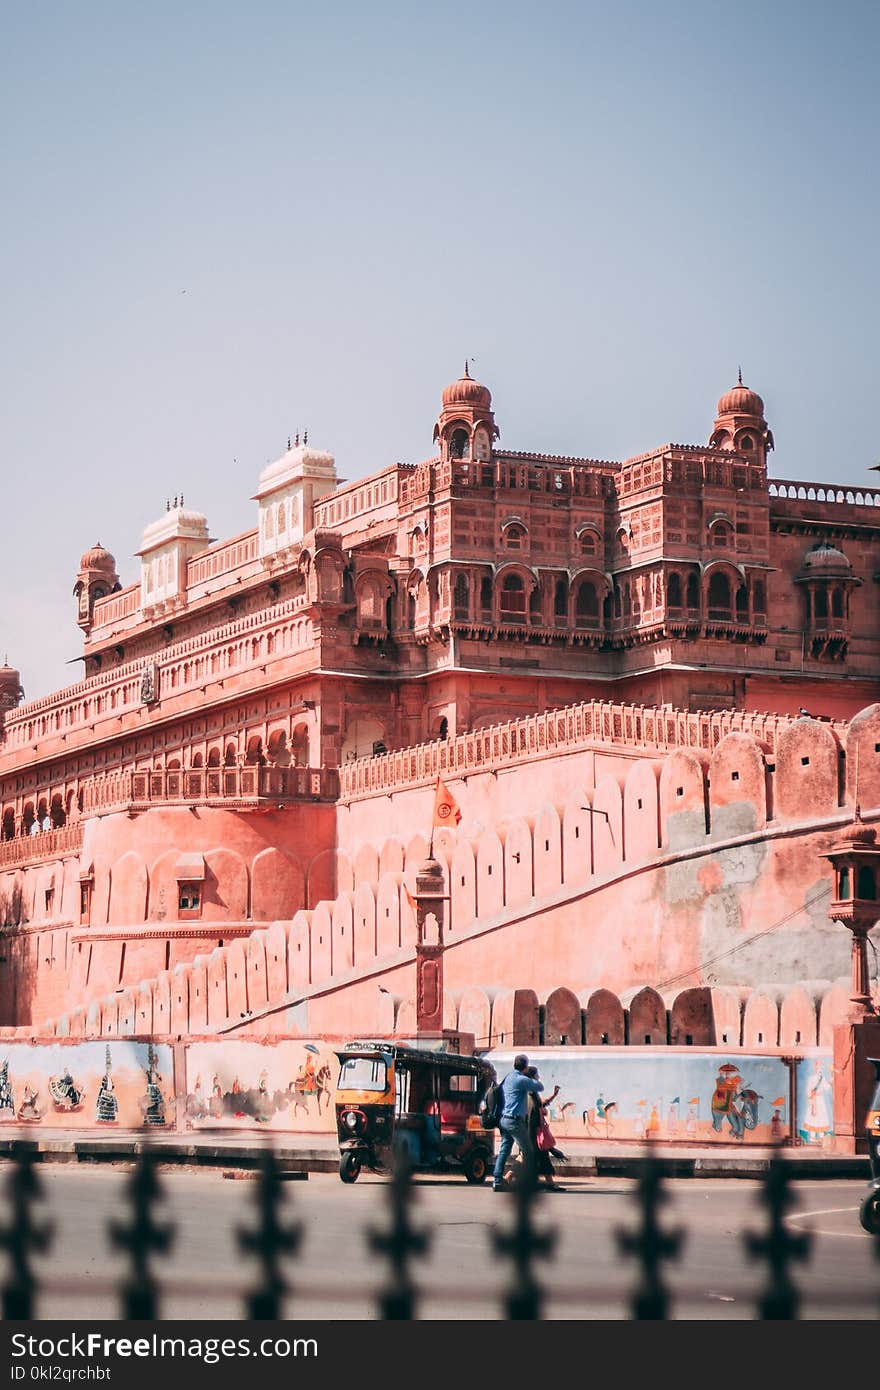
column 514, row 1124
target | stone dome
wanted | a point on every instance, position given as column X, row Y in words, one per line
column 97, row 558
column 301, row 459
column 467, row 392
column 739, row 400
column 826, row 559
column 857, row 833
column 176, row 523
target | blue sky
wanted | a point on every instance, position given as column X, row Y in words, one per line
column 223, row 223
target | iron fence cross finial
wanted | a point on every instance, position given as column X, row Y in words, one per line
column 142, row 1237
column 778, row 1246
column 23, row 1235
column 269, row 1241
column 651, row 1245
column 523, row 1244
column 399, row 1243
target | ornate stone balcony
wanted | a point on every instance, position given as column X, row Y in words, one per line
column 230, row 787
column 41, row 846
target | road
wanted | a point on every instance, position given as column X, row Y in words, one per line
column 333, row 1276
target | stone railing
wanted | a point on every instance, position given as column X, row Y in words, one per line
column 211, row 564
column 139, row 790
column 43, row 845
column 116, row 607
column 570, row 729
column 825, row 492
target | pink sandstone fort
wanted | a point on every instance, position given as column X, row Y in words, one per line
column 650, row 687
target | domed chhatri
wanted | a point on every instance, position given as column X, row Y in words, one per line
column 98, row 558
column 11, row 691
column 740, row 425
column 826, row 559
column 467, row 391
column 740, row 400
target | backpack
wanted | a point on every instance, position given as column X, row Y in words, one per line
column 490, row 1110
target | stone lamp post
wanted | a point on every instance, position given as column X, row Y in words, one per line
column 855, row 859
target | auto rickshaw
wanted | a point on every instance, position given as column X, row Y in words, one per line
column 869, row 1211
column 391, row 1098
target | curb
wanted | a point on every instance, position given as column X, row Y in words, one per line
column 323, row 1159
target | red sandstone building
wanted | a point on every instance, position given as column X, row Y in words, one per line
column 216, row 823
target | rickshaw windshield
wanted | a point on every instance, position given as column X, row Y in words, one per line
column 363, row 1074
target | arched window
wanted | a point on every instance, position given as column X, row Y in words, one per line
column 587, row 540
column 198, row 760
column 8, row 824
column 299, row 746
column 867, row 884
column 461, row 597
column 282, row 517
column 693, row 593
column 821, row 602
column 486, row 595
column 722, row 535
column 746, row 443
column 514, row 536
column 837, row 603
column 513, row 599
column 673, row 591
column 458, row 444
column 57, row 814
column 229, row 758
column 742, row 602
column 214, row 757
column 560, row 599
column 586, row 612
column 719, row 596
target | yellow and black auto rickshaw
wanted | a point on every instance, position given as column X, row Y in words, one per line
column 869, row 1211
column 391, row 1098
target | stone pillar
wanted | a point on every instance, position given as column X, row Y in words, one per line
column 854, row 1079
column 430, row 908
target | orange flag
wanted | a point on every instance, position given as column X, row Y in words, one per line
column 410, row 899
column 446, row 810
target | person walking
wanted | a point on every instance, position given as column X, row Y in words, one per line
column 537, row 1106
column 514, row 1125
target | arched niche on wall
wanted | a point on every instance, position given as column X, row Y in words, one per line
column 562, row 1018
column 647, row 1019
column 604, row 1020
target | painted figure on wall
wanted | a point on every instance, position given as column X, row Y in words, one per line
column 196, row 1107
column 817, row 1124
column 153, row 1104
column 7, row 1100
column 66, row 1093
column 28, row 1111
column 724, row 1106
column 672, row 1116
column 108, row 1104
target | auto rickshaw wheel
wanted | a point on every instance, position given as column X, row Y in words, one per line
column 350, row 1165
column 869, row 1212
column 476, row 1166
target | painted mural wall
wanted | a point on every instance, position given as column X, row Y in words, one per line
column 87, row 1085
column 249, row 1085
column 681, row 1096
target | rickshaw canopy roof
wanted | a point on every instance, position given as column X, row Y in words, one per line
column 416, row 1056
